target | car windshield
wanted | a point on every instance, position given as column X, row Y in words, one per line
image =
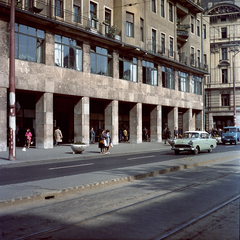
column 191, row 135
column 231, row 130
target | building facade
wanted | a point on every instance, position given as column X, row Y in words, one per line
column 104, row 64
column 222, row 87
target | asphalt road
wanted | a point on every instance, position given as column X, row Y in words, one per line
column 21, row 174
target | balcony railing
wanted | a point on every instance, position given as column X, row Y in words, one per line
column 49, row 11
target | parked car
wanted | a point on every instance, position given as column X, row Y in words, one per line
column 231, row 135
column 194, row 141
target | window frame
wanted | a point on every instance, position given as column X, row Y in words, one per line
column 168, row 78
column 196, row 85
column 149, row 69
column 77, row 17
column 198, row 27
column 130, row 61
column 163, row 46
column 224, row 75
column 153, row 6
column 183, row 81
column 170, row 12
column 163, row 8
column 225, row 100
column 129, row 24
column 141, row 30
column 192, row 24
column 58, row 10
column 224, row 32
column 171, row 46
column 224, row 53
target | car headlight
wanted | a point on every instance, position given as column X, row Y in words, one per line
column 190, row 142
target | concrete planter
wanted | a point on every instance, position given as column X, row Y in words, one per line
column 78, row 148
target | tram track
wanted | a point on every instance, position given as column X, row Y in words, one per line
column 159, row 196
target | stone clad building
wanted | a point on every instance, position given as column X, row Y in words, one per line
column 224, row 41
column 103, row 64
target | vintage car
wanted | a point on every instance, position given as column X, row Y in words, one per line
column 194, row 141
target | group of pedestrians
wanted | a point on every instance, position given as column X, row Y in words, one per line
column 105, row 142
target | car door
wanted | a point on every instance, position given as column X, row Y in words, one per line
column 204, row 141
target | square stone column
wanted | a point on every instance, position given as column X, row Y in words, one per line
column 173, row 119
column 115, row 64
column 187, row 120
column 135, row 122
column 81, row 120
column 199, row 120
column 44, row 120
column 156, row 124
column 3, row 119
column 176, row 81
column 111, row 120
column 86, row 58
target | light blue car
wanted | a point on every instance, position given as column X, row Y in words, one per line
column 231, row 135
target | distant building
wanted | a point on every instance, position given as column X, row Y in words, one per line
column 103, row 64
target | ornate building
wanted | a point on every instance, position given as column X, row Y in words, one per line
column 222, row 87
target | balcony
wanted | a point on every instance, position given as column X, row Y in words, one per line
column 182, row 32
column 41, row 12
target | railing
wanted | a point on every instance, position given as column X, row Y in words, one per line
column 49, row 11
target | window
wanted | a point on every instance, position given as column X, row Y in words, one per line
column 198, row 58
column 101, row 61
column 59, row 8
column 107, row 20
column 149, row 73
column 192, row 60
column 224, row 76
column 192, row 24
column 196, row 85
column 224, row 53
column 29, row 43
column 183, row 81
column 153, row 5
column 154, row 35
column 170, row 12
column 168, row 79
column 162, row 8
column 129, row 24
column 76, row 14
column 225, row 99
column 141, row 30
column 93, row 15
column 204, row 60
column 224, row 32
column 68, row 53
column 171, row 47
column 163, row 43
column 128, row 68
column 204, row 31
column 198, row 28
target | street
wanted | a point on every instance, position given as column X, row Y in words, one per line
column 197, row 203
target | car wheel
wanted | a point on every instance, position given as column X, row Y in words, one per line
column 210, row 149
column 231, row 143
column 196, row 150
column 223, row 143
column 177, row 152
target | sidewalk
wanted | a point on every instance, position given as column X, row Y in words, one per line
column 43, row 189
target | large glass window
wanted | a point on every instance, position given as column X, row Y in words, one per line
column 76, row 14
column 129, row 24
column 29, row 43
column 183, row 81
column 107, row 20
column 68, row 53
column 149, row 73
column 128, row 68
column 59, row 8
column 168, row 80
column 93, row 15
column 196, row 85
column 101, row 61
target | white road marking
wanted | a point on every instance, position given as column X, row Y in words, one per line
column 230, row 146
column 81, row 165
column 140, row 157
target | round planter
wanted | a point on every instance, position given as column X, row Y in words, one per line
column 78, row 148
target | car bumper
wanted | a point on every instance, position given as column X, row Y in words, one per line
column 183, row 148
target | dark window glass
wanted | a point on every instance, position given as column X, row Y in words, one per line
column 149, row 73
column 183, row 81
column 224, row 53
column 59, row 8
column 168, row 79
column 225, row 100
column 128, row 68
column 224, row 32
column 154, row 5
column 170, row 12
column 76, row 14
column 224, row 76
column 162, row 8
column 196, row 85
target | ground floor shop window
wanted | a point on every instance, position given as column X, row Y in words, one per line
column 128, row 68
column 183, row 81
column 149, row 73
column 168, row 80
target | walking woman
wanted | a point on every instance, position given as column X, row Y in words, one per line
column 101, row 142
column 108, row 141
column 28, row 136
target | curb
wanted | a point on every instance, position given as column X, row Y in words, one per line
column 71, row 190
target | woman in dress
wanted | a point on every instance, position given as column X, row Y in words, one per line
column 101, row 142
column 28, row 136
column 108, row 141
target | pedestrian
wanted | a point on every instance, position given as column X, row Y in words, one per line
column 165, row 135
column 120, row 134
column 125, row 135
column 92, row 136
column 58, row 136
column 28, row 136
column 101, row 142
column 108, row 141
column 145, row 134
column 175, row 133
column 168, row 134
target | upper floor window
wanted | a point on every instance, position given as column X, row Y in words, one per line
column 198, row 28
column 68, row 53
column 129, row 24
column 162, row 8
column 128, row 68
column 101, row 61
column 141, row 30
column 224, row 76
column 204, row 31
column 154, row 36
column 149, row 71
column 93, row 15
column 192, row 59
column 168, row 79
column 225, row 100
column 76, row 14
column 171, row 47
column 183, row 81
column 107, row 20
column 59, row 8
column 163, row 43
column 170, row 12
column 198, row 58
column 192, row 24
column 196, row 85
column 29, row 43
column 224, row 32
column 153, row 5
column 224, row 54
